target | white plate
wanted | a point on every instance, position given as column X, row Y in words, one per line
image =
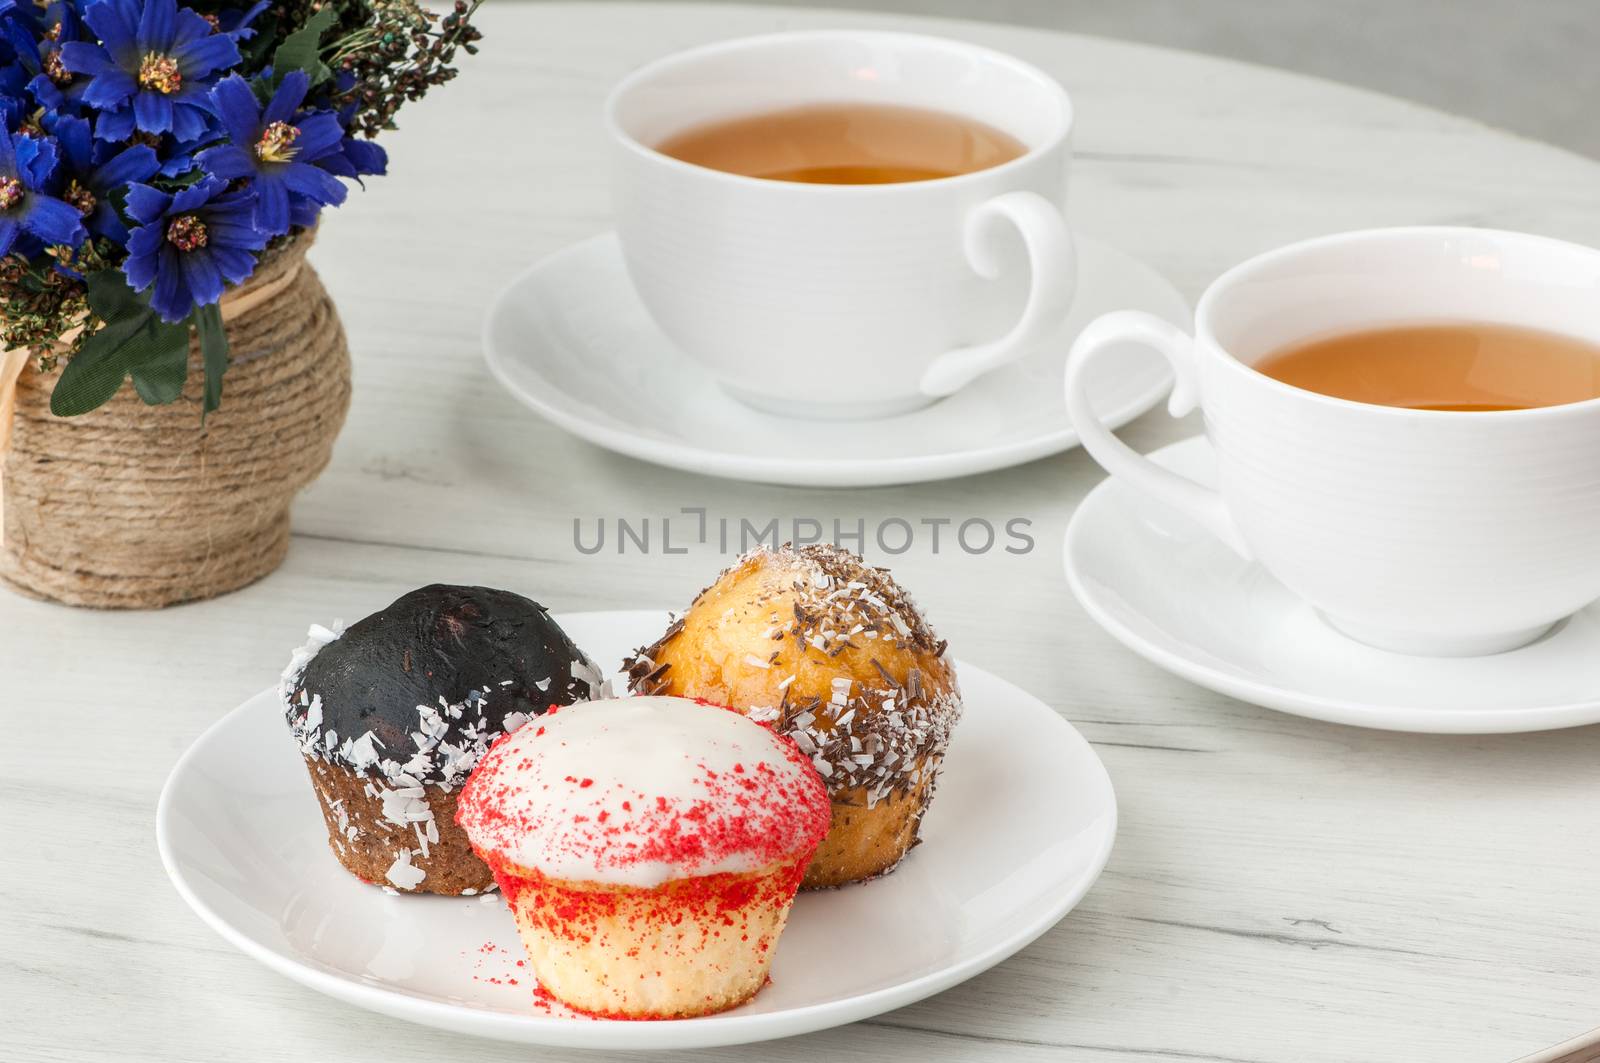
column 1021, row 827
column 572, row 341
column 1169, row 591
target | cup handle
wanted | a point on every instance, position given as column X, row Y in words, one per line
column 1181, row 493
column 1054, row 265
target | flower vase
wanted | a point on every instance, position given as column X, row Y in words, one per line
column 132, row 506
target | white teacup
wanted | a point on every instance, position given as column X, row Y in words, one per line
column 1420, row 531
column 845, row 300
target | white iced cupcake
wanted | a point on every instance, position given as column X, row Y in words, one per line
column 650, row 849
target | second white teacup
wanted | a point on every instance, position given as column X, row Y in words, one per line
column 845, row 300
column 1423, row 531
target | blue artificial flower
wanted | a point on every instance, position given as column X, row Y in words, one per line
column 236, row 23
column 153, row 69
column 355, row 159
column 13, row 74
column 12, row 105
column 38, row 50
column 25, row 209
column 189, row 244
column 97, row 171
column 177, row 156
column 276, row 149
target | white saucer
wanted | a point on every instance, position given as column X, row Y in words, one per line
column 572, row 341
column 1021, row 827
column 1173, row 594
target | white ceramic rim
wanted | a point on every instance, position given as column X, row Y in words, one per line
column 800, row 472
column 1064, row 119
column 707, row 1032
column 1244, row 271
column 1409, row 719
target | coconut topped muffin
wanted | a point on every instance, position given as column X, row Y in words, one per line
column 392, row 715
column 834, row 654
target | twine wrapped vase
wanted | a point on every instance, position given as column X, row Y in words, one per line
column 132, row 506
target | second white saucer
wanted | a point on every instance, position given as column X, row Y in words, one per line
column 570, row 339
column 1171, row 592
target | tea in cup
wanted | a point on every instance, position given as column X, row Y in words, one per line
column 845, row 224
column 1406, row 425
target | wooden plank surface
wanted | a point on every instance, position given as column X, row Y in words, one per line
column 1281, row 890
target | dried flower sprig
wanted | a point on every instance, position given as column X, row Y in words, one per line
column 43, row 302
column 402, row 53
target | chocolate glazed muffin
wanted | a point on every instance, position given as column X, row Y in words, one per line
column 394, row 713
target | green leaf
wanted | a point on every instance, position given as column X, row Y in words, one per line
column 159, row 375
column 137, row 343
column 214, row 351
column 95, row 373
column 299, row 50
column 109, row 295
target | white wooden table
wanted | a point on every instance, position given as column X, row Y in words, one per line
column 1281, row 890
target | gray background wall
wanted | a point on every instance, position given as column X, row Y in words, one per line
column 1530, row 66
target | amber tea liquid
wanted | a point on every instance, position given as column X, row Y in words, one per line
column 1465, row 366
column 845, row 144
